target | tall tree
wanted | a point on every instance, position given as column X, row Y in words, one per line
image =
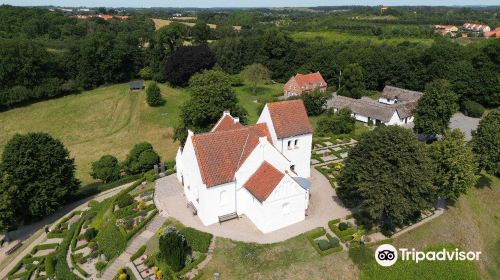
column 171, row 36
column 200, row 32
column 141, row 158
column 106, row 169
column 352, row 84
column 186, row 61
column 211, row 94
column 454, row 165
column 315, row 102
column 256, row 74
column 486, row 143
column 153, row 95
column 435, row 108
column 388, row 174
column 173, row 248
column 8, row 203
column 340, row 122
column 43, row 171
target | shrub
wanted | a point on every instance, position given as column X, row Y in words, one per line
column 150, row 176
column 139, row 253
column 173, row 248
column 323, row 244
column 146, row 73
column 150, row 261
column 343, row 226
column 125, row 200
column 100, row 265
column 90, row 234
column 197, row 240
column 337, row 123
column 110, row 240
column 472, row 109
column 106, row 169
column 141, row 158
column 49, row 265
column 334, row 242
column 153, row 95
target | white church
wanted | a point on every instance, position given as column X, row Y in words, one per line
column 260, row 171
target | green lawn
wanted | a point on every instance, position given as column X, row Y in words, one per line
column 363, row 256
column 336, row 36
column 252, row 102
column 291, row 259
column 472, row 224
column 107, row 120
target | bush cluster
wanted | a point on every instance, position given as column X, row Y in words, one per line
column 472, row 109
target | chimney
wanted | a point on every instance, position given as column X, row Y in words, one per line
column 236, row 120
column 226, row 113
column 190, row 133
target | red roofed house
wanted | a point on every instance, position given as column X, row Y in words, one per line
column 493, row 33
column 302, row 83
column 259, row 171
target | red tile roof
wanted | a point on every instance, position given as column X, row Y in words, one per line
column 227, row 122
column 262, row 183
column 312, row 79
column 221, row 153
column 289, row 118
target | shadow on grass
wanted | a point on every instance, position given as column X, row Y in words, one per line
column 484, row 182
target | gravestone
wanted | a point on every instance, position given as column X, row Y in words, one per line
column 162, row 167
column 156, row 169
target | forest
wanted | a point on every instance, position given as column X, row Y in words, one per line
column 45, row 54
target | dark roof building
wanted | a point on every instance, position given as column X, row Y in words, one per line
column 136, row 85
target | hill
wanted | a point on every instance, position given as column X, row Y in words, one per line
column 110, row 120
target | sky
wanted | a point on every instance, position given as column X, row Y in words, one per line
column 240, row 3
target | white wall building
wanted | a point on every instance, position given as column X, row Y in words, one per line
column 394, row 107
column 259, row 171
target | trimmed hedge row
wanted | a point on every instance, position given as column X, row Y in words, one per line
column 198, row 240
column 318, row 232
column 131, row 233
column 344, row 235
column 62, row 270
column 43, row 247
column 139, row 253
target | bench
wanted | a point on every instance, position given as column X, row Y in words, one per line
column 228, row 217
column 191, row 205
column 14, row 248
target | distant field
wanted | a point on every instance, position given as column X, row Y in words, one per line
column 335, row 36
column 251, row 102
column 107, row 120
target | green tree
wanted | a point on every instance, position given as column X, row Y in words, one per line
column 171, row 36
column 454, row 165
column 435, row 108
column 388, row 174
column 200, row 32
column 173, row 248
column 106, row 169
column 141, row 158
column 486, row 143
column 8, row 207
column 337, row 123
column 211, row 94
column 352, row 84
column 43, row 171
column 186, row 61
column 256, row 74
column 315, row 102
column 146, row 73
column 153, row 95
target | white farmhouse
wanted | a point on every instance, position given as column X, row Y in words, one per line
column 394, row 107
column 258, row 170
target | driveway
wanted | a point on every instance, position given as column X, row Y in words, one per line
column 323, row 207
column 465, row 124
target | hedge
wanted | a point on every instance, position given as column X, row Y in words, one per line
column 49, row 265
column 198, row 240
column 472, row 109
column 111, row 240
column 62, row 270
column 94, row 189
column 192, row 265
column 43, row 247
column 139, row 253
column 77, row 267
column 131, row 233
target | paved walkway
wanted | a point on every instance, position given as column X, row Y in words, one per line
column 51, row 220
column 133, row 246
column 324, row 206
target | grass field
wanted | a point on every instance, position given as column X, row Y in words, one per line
column 107, row 120
column 335, row 36
column 110, row 120
column 473, row 224
column 291, row 259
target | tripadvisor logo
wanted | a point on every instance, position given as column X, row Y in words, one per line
column 387, row 255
